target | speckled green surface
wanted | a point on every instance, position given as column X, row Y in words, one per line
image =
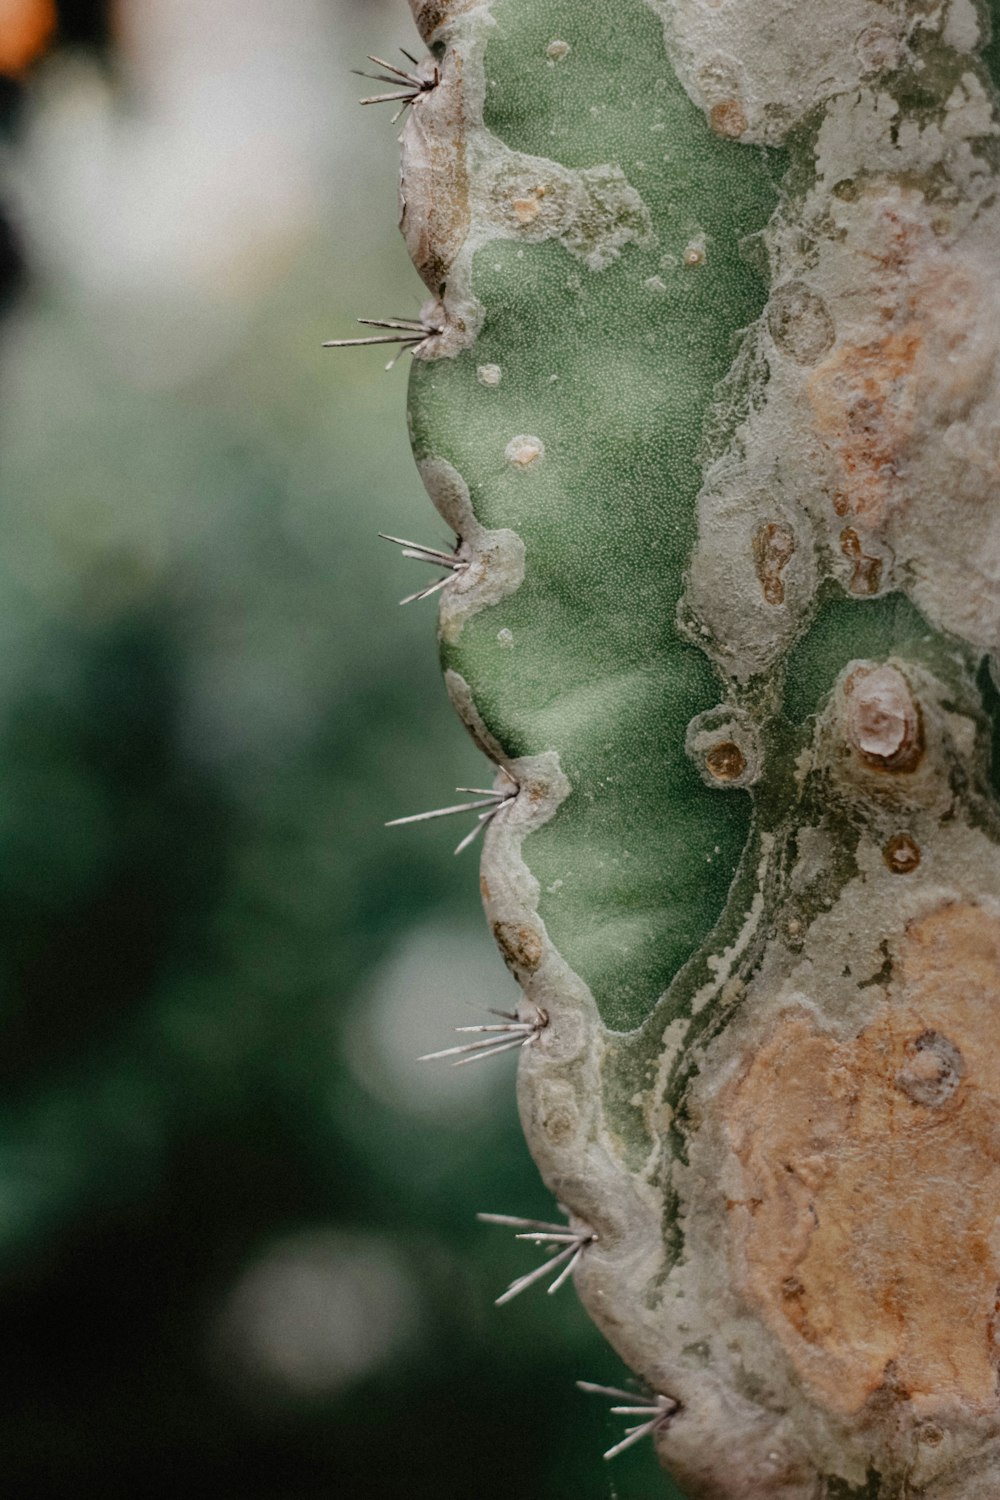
column 614, row 370
column 614, row 375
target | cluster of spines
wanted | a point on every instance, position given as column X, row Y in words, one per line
column 565, row 1243
column 408, row 87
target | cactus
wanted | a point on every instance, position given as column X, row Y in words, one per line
column 706, row 386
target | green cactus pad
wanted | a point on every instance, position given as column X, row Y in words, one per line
column 612, row 369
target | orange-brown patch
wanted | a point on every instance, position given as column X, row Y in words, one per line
column 866, row 576
column 866, row 1232
column 773, row 550
column 726, row 761
column 863, row 399
column 728, row 119
column 527, row 209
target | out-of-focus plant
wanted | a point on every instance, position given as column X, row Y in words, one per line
column 211, row 1272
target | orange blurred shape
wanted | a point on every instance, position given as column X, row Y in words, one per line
column 26, row 28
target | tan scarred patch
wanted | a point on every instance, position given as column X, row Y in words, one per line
column 527, row 208
column 26, row 29
column 866, row 576
column 520, row 945
column 773, row 550
column 431, row 15
column 727, row 118
column 434, row 186
column 867, row 1232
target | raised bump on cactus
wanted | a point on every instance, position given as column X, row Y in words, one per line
column 715, row 409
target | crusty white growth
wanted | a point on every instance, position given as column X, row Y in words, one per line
column 525, row 451
column 593, row 212
column 831, row 971
column 872, row 444
column 759, row 67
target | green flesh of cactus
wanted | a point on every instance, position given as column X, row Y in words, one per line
column 709, row 399
column 612, row 369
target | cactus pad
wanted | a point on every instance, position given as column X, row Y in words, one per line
column 708, row 394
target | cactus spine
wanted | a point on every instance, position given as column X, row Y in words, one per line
column 707, row 388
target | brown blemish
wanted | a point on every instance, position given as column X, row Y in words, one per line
column 727, row 118
column 872, row 400
column 883, row 724
column 902, row 854
column 863, row 399
column 773, row 549
column 521, row 946
column 431, row 15
column 484, row 888
column 726, row 761
column 866, row 578
column 874, row 1164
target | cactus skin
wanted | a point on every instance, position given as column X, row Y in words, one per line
column 713, row 415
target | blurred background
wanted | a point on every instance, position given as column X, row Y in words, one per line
column 238, row 1247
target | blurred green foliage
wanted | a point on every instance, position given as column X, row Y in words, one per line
column 209, row 703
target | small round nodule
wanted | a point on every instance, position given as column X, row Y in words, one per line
column 726, row 761
column 799, row 323
column 724, row 746
column 901, row 854
column 524, row 452
column 882, row 719
column 933, row 1070
column 877, row 49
